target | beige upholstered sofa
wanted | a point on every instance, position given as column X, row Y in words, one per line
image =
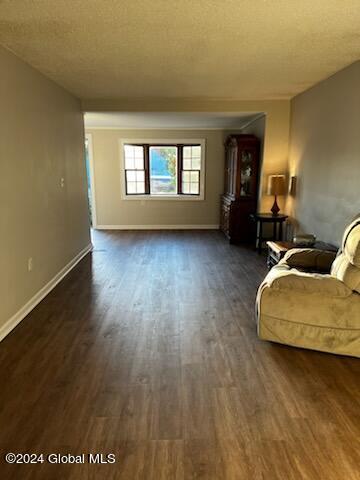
column 312, row 299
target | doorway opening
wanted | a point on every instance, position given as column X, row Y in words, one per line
column 89, row 164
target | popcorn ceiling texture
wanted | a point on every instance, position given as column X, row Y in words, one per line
column 235, row 49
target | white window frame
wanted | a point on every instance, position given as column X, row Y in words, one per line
column 167, row 141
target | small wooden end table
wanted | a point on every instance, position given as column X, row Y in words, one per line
column 276, row 250
column 276, row 220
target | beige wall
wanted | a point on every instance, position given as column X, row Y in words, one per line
column 111, row 210
column 41, row 140
column 325, row 155
column 276, row 143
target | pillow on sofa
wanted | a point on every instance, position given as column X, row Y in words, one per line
column 310, row 259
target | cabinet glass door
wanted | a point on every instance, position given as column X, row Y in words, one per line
column 247, row 173
column 230, row 173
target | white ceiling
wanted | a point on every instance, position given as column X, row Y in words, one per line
column 136, row 120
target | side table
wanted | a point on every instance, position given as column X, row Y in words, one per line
column 276, row 250
column 276, row 220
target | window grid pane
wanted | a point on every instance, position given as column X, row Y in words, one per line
column 134, row 157
column 135, row 182
column 195, row 163
column 191, row 182
column 192, row 157
column 187, row 164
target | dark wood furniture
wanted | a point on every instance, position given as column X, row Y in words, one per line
column 276, row 250
column 239, row 200
column 277, row 231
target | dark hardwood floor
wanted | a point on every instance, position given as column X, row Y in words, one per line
column 148, row 350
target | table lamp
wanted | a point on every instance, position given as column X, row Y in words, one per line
column 276, row 186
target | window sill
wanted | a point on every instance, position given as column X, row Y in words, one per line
column 192, row 198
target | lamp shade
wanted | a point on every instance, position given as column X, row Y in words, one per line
column 276, row 185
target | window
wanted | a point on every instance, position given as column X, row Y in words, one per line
column 191, row 169
column 134, row 169
column 164, row 170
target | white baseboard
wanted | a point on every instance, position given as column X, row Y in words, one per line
column 157, row 227
column 36, row 299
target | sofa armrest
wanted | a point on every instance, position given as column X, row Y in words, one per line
column 302, row 282
column 309, row 258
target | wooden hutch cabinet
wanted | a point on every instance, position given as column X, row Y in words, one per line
column 241, row 188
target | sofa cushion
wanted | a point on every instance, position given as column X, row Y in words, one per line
column 310, row 283
column 351, row 243
column 346, row 272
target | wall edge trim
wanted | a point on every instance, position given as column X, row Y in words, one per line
column 158, row 227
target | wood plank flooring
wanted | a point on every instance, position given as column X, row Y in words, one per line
column 148, row 350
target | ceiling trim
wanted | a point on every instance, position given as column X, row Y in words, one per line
column 250, row 122
column 195, row 105
column 171, row 121
column 240, row 127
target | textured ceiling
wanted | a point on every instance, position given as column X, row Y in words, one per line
column 240, row 49
column 168, row 120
